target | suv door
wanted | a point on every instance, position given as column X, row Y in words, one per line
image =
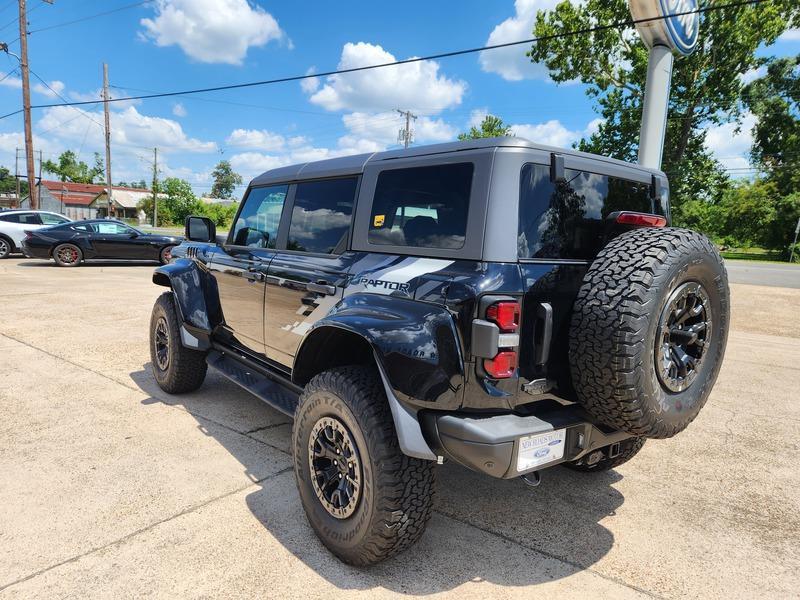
column 240, row 266
column 307, row 277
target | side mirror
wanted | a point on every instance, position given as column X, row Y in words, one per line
column 201, row 229
column 133, row 234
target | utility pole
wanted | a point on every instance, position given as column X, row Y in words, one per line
column 26, row 104
column 40, row 166
column 155, row 187
column 406, row 136
column 16, row 175
column 111, row 211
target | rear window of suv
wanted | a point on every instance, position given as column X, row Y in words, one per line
column 423, row 207
column 567, row 219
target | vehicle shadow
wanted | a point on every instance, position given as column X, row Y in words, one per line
column 483, row 529
column 91, row 263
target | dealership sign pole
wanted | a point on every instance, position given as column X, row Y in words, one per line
column 674, row 27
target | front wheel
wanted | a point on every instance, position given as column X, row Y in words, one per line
column 67, row 255
column 5, row 248
column 364, row 498
column 176, row 369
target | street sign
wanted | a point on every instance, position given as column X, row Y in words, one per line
column 677, row 29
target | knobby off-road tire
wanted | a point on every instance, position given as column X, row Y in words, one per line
column 628, row 449
column 393, row 504
column 627, row 320
column 177, row 369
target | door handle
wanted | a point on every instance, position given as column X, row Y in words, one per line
column 321, row 288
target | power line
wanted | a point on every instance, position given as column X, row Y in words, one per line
column 89, row 17
column 565, row 34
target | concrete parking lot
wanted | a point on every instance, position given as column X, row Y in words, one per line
column 109, row 487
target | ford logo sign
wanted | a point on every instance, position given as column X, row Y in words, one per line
column 541, row 452
column 673, row 23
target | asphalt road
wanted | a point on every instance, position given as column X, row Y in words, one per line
column 111, row 488
column 752, row 272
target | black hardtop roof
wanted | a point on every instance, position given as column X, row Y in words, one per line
column 354, row 164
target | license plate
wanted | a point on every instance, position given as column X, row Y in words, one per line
column 535, row 450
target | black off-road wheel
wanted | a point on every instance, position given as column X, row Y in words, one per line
column 599, row 460
column 6, row 247
column 364, row 498
column 649, row 329
column 67, row 255
column 176, row 369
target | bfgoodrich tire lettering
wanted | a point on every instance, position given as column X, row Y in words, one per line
column 396, row 496
column 176, row 369
column 617, row 317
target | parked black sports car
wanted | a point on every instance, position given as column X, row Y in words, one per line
column 71, row 243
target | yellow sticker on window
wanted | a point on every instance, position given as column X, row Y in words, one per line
column 378, row 220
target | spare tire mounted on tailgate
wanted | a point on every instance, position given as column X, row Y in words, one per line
column 649, row 329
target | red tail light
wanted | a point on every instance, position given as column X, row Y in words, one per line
column 502, row 366
column 641, row 219
column 505, row 315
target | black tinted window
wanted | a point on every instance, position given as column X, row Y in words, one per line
column 257, row 225
column 424, row 207
column 566, row 219
column 321, row 215
column 24, row 218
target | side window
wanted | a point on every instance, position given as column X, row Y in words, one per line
column 82, row 227
column 321, row 215
column 13, row 218
column 24, row 218
column 111, row 228
column 567, row 219
column 257, row 225
column 49, row 219
column 424, row 207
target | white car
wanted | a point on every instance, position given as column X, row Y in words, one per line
column 13, row 224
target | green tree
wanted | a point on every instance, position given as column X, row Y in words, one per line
column 69, row 168
column 8, row 183
column 179, row 201
column 225, row 180
column 775, row 100
column 706, row 86
column 491, row 126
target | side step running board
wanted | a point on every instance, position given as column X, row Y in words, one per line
column 269, row 389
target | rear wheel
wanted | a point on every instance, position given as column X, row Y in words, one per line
column 364, row 498
column 601, row 460
column 67, row 255
column 5, row 247
column 166, row 254
column 176, row 369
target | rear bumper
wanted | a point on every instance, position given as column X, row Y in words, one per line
column 31, row 252
column 491, row 444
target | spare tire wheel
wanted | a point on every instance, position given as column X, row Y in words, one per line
column 649, row 329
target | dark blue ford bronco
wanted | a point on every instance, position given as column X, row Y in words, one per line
column 495, row 302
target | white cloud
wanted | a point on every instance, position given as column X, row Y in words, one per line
column 128, row 128
column 790, row 35
column 383, row 128
column 56, row 88
column 730, row 148
column 752, row 75
column 257, row 139
column 415, row 86
column 179, row 110
column 212, row 31
column 510, row 62
column 309, row 86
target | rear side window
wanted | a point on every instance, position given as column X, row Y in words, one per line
column 424, row 207
column 321, row 215
column 24, row 218
column 50, row 219
column 567, row 219
column 257, row 225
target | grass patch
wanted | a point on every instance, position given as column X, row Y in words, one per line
column 755, row 254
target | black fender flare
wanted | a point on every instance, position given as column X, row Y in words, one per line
column 196, row 298
column 416, row 349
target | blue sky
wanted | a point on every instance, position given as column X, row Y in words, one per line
column 167, row 45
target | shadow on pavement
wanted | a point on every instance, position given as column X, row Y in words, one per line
column 557, row 523
column 91, row 263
